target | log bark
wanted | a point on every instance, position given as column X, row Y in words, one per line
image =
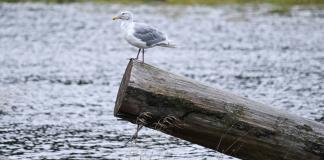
column 214, row 118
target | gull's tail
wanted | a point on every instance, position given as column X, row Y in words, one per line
column 167, row 44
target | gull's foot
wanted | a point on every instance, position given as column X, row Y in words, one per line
column 133, row 59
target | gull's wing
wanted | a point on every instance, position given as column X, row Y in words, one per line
column 148, row 34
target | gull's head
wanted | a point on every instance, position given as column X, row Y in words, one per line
column 126, row 16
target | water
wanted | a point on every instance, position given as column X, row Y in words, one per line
column 60, row 68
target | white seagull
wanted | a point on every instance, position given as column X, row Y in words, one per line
column 141, row 35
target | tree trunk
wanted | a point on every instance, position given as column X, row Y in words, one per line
column 214, row 118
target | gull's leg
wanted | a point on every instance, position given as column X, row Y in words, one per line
column 143, row 55
column 138, row 53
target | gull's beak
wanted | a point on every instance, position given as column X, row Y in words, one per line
column 114, row 18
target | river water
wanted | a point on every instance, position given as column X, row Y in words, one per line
column 61, row 65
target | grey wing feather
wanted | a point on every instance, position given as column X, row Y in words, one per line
column 148, row 34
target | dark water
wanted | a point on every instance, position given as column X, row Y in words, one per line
column 60, row 68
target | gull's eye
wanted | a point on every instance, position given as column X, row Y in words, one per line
column 123, row 13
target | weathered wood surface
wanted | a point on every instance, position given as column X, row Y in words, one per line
column 214, row 118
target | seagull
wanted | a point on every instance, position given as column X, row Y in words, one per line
column 141, row 35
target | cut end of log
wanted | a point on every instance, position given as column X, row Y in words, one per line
column 123, row 104
column 123, row 87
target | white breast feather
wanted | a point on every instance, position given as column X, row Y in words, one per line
column 130, row 38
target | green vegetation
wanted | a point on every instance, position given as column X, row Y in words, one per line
column 279, row 2
column 187, row 2
column 281, row 10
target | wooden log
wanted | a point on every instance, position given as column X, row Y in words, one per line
column 214, row 118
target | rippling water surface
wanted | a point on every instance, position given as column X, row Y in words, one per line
column 60, row 68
